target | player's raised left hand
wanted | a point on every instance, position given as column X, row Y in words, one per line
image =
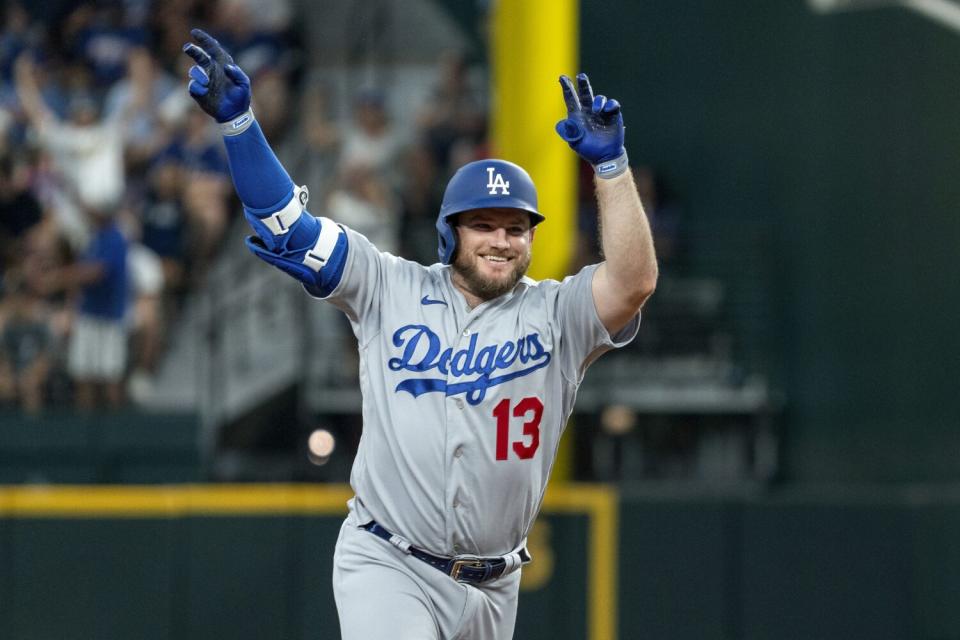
column 219, row 86
column 593, row 126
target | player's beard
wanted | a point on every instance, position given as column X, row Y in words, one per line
column 484, row 287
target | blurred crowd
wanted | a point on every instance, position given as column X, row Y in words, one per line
column 115, row 192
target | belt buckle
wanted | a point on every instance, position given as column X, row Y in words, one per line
column 458, row 565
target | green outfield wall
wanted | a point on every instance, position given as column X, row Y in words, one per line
column 249, row 561
column 254, row 561
column 120, row 447
column 816, row 160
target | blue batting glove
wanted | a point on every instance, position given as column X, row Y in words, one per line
column 218, row 85
column 593, row 127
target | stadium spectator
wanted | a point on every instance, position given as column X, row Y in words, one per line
column 100, row 36
column 420, row 196
column 86, row 152
column 16, row 36
column 453, row 111
column 371, row 140
column 147, row 84
column 146, row 319
column 255, row 33
column 364, row 202
column 25, row 346
column 312, row 155
column 168, row 21
column 273, row 107
column 97, row 357
column 161, row 217
column 206, row 187
column 19, row 208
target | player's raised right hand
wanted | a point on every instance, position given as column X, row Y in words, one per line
column 593, row 127
column 218, row 85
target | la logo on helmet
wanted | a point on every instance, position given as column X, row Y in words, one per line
column 494, row 183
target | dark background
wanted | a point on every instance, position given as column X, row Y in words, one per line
column 816, row 157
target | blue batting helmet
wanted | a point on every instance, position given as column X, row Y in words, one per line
column 484, row 184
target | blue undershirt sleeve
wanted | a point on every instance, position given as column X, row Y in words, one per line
column 260, row 180
column 294, row 245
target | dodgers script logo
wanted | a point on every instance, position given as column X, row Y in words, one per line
column 497, row 183
column 422, row 352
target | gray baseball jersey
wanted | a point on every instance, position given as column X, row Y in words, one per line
column 462, row 408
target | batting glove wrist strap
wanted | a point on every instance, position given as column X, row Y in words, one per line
column 236, row 126
column 612, row 168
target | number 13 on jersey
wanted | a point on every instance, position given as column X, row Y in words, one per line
column 530, row 410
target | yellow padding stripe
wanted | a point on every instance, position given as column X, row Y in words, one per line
column 171, row 501
column 598, row 502
column 533, row 42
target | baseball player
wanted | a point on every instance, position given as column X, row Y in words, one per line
column 468, row 369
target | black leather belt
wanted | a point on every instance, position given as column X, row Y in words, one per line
column 468, row 569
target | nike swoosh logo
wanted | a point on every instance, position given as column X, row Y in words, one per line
column 425, row 301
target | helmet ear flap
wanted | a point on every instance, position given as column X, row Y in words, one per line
column 453, row 222
column 447, row 235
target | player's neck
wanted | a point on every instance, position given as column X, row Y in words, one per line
column 473, row 300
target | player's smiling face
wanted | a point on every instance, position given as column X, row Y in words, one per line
column 493, row 251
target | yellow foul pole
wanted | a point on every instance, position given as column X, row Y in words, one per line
column 532, row 43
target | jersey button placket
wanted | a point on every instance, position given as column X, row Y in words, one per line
column 456, row 427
